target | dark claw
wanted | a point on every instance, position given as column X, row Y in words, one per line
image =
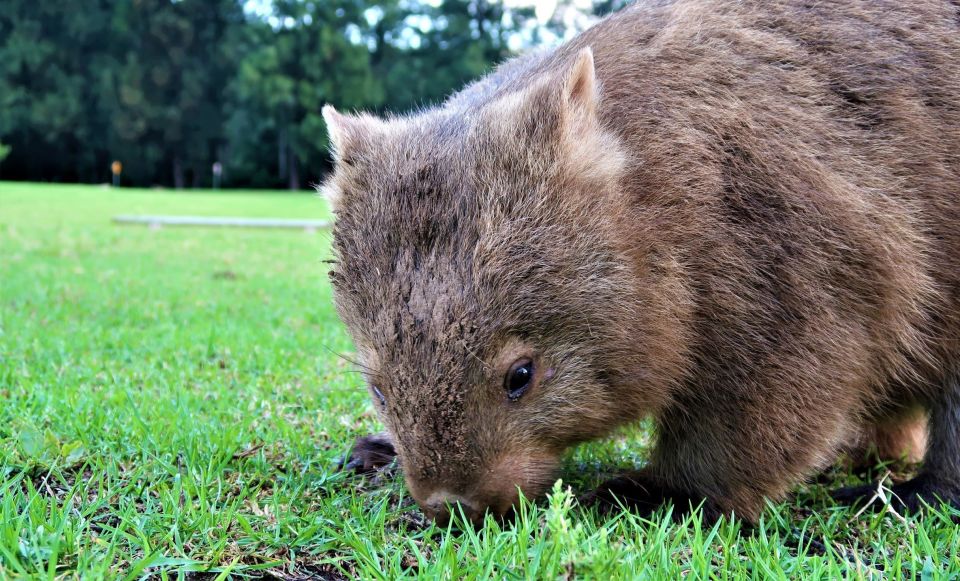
column 369, row 454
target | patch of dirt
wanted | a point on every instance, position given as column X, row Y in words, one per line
column 297, row 572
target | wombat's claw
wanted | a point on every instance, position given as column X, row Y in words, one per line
column 369, row 454
column 907, row 497
column 630, row 491
column 641, row 496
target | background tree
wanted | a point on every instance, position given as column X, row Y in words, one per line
column 168, row 87
column 166, row 96
column 305, row 60
column 48, row 102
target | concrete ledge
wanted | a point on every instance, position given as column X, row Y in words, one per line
column 222, row 222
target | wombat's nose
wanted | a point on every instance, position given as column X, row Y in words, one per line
column 440, row 504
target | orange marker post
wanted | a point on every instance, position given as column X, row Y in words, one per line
column 115, row 168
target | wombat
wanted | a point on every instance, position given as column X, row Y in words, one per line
column 741, row 219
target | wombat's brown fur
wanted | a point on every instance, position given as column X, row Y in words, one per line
column 739, row 218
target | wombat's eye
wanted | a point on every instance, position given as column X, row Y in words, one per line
column 518, row 378
column 379, row 394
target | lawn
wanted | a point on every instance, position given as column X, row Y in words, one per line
column 173, row 403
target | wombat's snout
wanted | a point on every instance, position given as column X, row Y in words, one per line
column 496, row 493
column 438, row 506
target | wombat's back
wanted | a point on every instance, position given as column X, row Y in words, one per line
column 821, row 140
column 800, row 161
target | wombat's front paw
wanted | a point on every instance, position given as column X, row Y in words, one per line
column 909, row 496
column 632, row 490
column 369, row 454
column 642, row 495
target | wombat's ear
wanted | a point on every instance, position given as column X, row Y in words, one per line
column 564, row 103
column 350, row 136
column 561, row 104
column 347, row 132
column 580, row 84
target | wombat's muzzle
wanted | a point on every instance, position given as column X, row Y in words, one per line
column 496, row 492
column 440, row 505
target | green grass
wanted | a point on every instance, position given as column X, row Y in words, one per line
column 171, row 403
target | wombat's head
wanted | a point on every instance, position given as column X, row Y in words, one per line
column 476, row 274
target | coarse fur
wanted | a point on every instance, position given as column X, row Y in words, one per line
column 739, row 218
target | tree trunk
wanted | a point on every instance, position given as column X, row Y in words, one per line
column 282, row 154
column 177, row 172
column 294, row 183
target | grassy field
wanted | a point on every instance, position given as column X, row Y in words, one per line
column 172, row 404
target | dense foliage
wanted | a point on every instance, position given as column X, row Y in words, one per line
column 169, row 87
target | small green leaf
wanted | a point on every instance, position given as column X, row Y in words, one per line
column 51, row 444
column 72, row 452
column 928, row 570
column 31, row 441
